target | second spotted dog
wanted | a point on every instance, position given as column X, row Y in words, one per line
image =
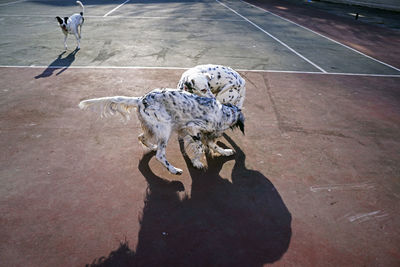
column 215, row 80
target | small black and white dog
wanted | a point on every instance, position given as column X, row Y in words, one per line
column 163, row 111
column 72, row 25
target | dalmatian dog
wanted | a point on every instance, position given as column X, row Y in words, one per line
column 163, row 111
column 215, row 81
column 72, row 25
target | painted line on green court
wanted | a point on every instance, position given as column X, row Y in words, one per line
column 111, row 11
column 10, row 3
column 273, row 37
column 182, row 68
column 126, row 17
column 326, row 37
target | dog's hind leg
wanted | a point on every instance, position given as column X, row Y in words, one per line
column 224, row 152
column 78, row 38
column 160, row 156
column 162, row 135
column 80, row 31
column 144, row 140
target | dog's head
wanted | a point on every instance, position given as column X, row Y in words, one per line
column 198, row 83
column 62, row 22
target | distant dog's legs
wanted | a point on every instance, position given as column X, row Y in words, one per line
column 80, row 31
column 77, row 39
column 65, row 41
column 224, row 152
column 144, row 140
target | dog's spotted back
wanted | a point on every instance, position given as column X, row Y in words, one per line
column 215, row 80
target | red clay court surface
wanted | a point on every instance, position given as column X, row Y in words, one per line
column 314, row 182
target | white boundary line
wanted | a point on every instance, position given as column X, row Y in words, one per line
column 326, row 37
column 127, row 17
column 183, row 68
column 108, row 13
column 273, row 37
column 10, row 3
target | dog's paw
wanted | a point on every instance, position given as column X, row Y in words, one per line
column 176, row 171
column 152, row 147
column 227, row 152
column 197, row 164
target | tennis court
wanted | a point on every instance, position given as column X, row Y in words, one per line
column 313, row 182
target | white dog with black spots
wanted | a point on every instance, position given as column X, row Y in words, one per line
column 163, row 111
column 218, row 81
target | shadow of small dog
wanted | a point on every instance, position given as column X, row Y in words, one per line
column 59, row 63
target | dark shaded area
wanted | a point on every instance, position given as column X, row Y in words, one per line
column 59, row 63
column 223, row 223
column 108, row 2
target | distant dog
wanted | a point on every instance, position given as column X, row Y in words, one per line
column 215, row 80
column 163, row 111
column 72, row 25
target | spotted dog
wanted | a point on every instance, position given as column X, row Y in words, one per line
column 215, row 80
column 72, row 25
column 163, row 111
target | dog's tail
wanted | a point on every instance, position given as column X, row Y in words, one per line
column 83, row 8
column 112, row 105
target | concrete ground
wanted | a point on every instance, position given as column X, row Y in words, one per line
column 314, row 182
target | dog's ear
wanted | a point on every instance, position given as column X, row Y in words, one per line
column 60, row 21
column 189, row 86
column 240, row 122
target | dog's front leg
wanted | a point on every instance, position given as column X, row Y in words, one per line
column 160, row 156
column 193, row 138
column 198, row 153
column 65, row 41
column 224, row 152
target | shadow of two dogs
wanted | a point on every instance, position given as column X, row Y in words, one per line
column 240, row 223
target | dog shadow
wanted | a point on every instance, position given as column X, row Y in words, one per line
column 60, row 62
column 242, row 222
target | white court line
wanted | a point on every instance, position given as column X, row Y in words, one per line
column 126, row 17
column 273, row 37
column 108, row 13
column 183, row 68
column 15, row 2
column 326, row 37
